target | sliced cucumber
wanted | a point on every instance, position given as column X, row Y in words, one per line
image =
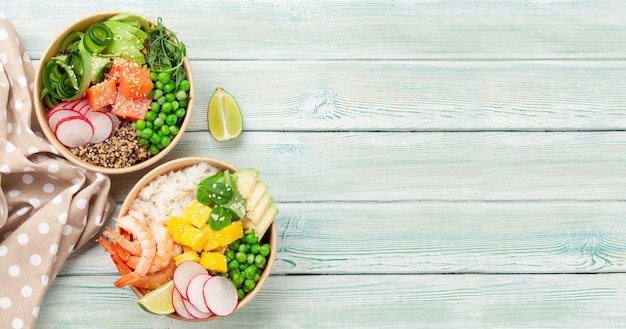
column 246, row 181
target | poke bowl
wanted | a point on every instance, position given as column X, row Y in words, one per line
column 108, row 97
column 220, row 221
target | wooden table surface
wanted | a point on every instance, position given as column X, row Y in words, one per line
column 437, row 163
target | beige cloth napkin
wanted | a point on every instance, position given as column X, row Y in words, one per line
column 48, row 207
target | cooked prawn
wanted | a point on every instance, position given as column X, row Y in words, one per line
column 121, row 239
column 149, row 281
column 144, row 237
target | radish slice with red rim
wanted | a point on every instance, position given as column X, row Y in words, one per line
column 195, row 292
column 194, row 312
column 179, row 305
column 74, row 131
column 183, row 273
column 102, row 124
column 58, row 115
column 220, row 295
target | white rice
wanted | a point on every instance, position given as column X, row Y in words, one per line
column 169, row 194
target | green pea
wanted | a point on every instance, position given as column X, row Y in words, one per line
column 250, row 259
column 241, row 257
column 251, row 239
column 144, row 142
column 185, row 85
column 165, row 130
column 243, row 248
column 250, row 272
column 165, row 141
column 159, row 85
column 184, row 102
column 150, row 116
column 149, row 124
column 154, row 76
column 154, row 149
column 146, row 133
column 161, row 100
column 158, row 122
column 175, row 105
column 166, row 107
column 233, row 264
column 155, row 138
column 241, row 293
column 174, row 130
column 260, row 261
column 181, row 94
column 155, row 107
column 164, row 77
column 158, row 93
column 180, row 112
column 171, row 119
column 169, row 87
column 140, row 124
column 265, row 249
column 243, row 266
column 255, row 249
column 257, row 277
column 170, row 97
column 248, row 285
column 238, row 278
column 230, row 255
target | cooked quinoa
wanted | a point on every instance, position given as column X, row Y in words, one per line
column 121, row 150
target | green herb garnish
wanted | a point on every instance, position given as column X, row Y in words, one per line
column 220, row 193
column 166, row 53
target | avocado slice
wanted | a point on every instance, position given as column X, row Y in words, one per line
column 246, row 180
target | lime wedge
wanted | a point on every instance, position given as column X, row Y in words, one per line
column 159, row 300
column 224, row 116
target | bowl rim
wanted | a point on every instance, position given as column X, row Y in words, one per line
column 41, row 110
column 185, row 162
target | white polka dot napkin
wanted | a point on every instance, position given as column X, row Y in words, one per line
column 48, row 207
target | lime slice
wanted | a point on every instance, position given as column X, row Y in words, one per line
column 224, row 116
column 159, row 300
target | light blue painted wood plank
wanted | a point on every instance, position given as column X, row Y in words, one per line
column 361, row 29
column 433, row 237
column 364, row 301
column 418, row 95
column 461, row 166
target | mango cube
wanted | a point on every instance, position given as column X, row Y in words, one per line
column 187, row 256
column 197, row 214
column 183, row 233
column 230, row 233
column 214, row 261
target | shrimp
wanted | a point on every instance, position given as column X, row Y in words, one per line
column 131, row 246
column 150, row 281
column 154, row 280
column 143, row 235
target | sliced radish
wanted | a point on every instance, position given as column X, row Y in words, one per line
column 74, row 131
column 102, row 124
column 184, row 272
column 195, row 292
column 67, row 105
column 196, row 313
column 179, row 305
column 114, row 119
column 82, row 106
column 58, row 115
column 220, row 296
